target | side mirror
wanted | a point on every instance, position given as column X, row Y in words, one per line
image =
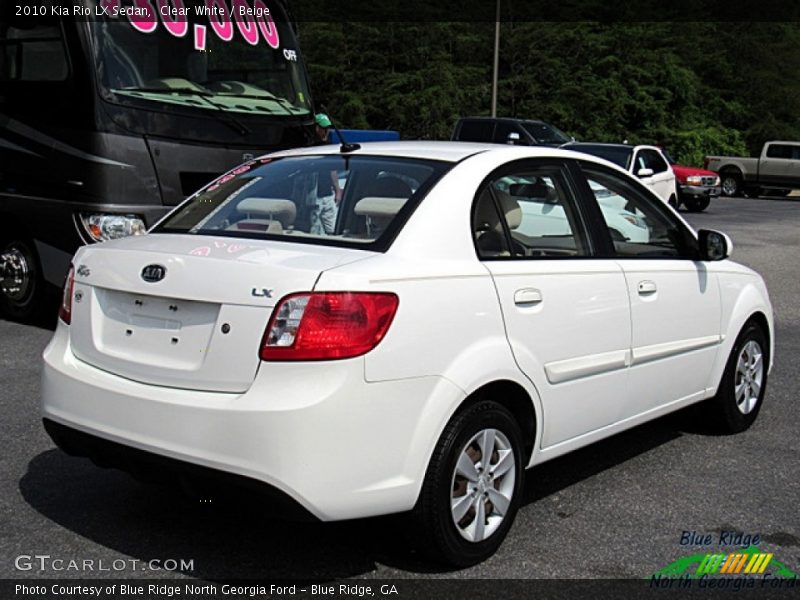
column 513, row 138
column 714, row 245
column 644, row 173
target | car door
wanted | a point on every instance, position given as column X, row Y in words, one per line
column 675, row 301
column 662, row 181
column 566, row 312
column 795, row 173
column 777, row 166
column 508, row 132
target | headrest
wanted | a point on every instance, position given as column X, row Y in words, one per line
column 487, row 215
column 279, row 209
column 510, row 208
column 379, row 206
column 539, row 190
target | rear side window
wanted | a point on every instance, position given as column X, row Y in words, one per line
column 32, row 49
column 357, row 201
column 528, row 213
column 475, row 131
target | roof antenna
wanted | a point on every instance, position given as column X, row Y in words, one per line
column 345, row 147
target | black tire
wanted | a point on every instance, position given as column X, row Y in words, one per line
column 722, row 410
column 696, row 204
column 731, row 182
column 26, row 302
column 433, row 528
column 673, row 201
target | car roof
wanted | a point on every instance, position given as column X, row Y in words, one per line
column 608, row 145
column 603, row 144
column 513, row 119
column 444, row 151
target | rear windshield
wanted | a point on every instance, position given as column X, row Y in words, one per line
column 619, row 155
column 358, row 201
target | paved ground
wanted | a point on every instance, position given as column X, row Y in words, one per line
column 615, row 509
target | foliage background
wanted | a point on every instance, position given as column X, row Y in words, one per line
column 697, row 88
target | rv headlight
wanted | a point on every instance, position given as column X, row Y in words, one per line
column 103, row 227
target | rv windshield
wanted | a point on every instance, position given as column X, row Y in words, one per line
column 194, row 54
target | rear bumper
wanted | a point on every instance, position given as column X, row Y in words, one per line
column 157, row 468
column 338, row 446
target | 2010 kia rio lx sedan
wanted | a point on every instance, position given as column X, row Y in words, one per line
column 412, row 349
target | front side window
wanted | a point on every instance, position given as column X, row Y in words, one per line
column 637, row 226
column 650, row 159
column 508, row 133
column 202, row 59
column 32, row 49
column 780, row 151
column 295, row 199
column 546, row 134
column 527, row 213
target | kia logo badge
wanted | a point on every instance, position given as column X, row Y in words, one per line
column 153, row 273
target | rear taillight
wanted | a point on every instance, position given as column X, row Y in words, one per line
column 327, row 325
column 65, row 311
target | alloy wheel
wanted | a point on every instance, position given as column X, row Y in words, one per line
column 482, row 485
column 749, row 376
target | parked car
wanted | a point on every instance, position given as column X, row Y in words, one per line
column 648, row 163
column 696, row 187
column 543, row 215
column 420, row 356
column 776, row 171
column 504, row 130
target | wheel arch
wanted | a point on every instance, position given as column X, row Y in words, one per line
column 11, row 224
column 751, row 305
column 760, row 319
column 514, row 398
column 731, row 168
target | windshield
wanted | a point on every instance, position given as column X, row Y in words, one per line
column 546, row 134
column 193, row 54
column 336, row 200
column 619, row 155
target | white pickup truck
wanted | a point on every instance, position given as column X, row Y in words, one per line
column 775, row 172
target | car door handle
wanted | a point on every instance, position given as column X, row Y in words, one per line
column 527, row 296
column 647, row 287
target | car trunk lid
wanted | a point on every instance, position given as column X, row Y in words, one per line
column 184, row 310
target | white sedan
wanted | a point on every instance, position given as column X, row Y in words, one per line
column 417, row 358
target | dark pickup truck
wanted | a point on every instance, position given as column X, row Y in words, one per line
column 506, row 130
